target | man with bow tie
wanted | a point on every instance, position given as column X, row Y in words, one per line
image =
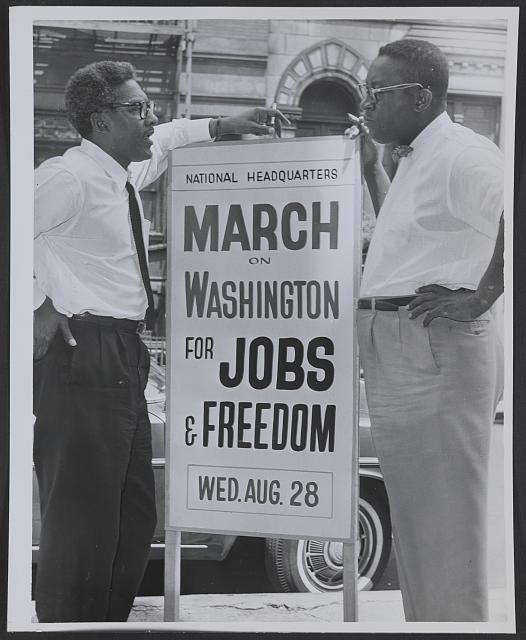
column 92, row 440
column 430, row 351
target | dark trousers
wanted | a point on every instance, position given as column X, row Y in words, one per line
column 92, row 454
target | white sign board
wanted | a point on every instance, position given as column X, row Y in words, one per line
column 264, row 256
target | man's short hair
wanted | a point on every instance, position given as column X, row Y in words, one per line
column 91, row 87
column 424, row 63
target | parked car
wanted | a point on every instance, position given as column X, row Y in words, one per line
column 291, row 565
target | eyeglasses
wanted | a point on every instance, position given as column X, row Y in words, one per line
column 143, row 108
column 368, row 93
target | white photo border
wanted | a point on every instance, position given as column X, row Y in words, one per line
column 21, row 420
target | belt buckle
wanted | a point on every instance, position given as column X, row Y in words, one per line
column 140, row 326
column 365, row 300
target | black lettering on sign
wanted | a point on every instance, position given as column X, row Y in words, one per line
column 262, row 425
column 301, row 226
column 289, row 366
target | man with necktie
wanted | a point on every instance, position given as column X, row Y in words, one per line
column 428, row 343
column 92, row 440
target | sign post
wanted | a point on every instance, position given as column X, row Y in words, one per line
column 264, row 256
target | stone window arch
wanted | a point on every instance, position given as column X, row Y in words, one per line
column 328, row 59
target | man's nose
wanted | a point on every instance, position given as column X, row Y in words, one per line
column 151, row 119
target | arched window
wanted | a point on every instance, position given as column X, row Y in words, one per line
column 325, row 104
column 320, row 86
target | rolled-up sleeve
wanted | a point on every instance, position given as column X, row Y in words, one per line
column 166, row 137
column 476, row 189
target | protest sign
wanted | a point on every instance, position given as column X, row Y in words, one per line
column 264, row 257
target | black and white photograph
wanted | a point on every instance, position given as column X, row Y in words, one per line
column 263, row 285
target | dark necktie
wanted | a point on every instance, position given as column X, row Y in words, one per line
column 402, row 151
column 135, row 219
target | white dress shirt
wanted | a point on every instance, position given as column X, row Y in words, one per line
column 440, row 217
column 84, row 252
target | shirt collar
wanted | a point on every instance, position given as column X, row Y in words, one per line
column 440, row 123
column 110, row 166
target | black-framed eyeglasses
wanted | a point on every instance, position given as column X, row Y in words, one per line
column 143, row 108
column 370, row 93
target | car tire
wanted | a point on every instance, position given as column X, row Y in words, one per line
column 317, row 565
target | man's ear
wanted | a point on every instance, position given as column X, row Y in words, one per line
column 99, row 123
column 423, row 100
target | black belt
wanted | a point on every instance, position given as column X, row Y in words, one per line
column 132, row 326
column 384, row 304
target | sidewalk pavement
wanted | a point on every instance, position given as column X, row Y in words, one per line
column 380, row 610
column 373, row 606
column 271, row 607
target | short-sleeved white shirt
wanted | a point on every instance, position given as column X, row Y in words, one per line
column 440, row 217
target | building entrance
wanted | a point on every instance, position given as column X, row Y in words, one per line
column 325, row 105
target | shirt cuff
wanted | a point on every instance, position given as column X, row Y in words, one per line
column 198, row 130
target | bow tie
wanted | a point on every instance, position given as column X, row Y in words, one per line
column 402, row 151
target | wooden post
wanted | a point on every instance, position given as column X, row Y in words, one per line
column 351, row 550
column 172, row 551
column 350, row 590
column 172, row 576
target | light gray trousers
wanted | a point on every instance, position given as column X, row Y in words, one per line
column 432, row 394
